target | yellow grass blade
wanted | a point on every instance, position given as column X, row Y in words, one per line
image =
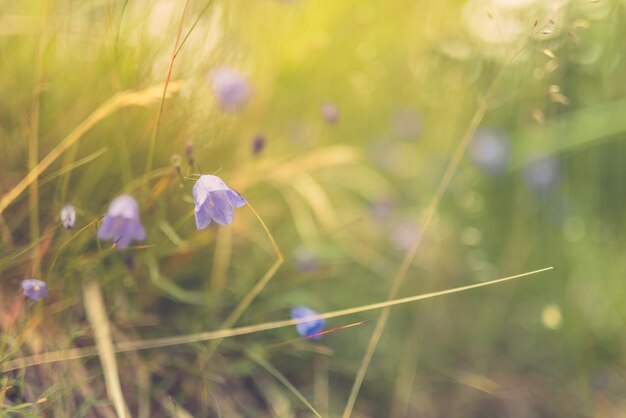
column 118, row 101
column 128, row 346
column 258, row 287
column 97, row 316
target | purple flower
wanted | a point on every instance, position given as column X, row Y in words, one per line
column 231, row 88
column 68, row 216
column 406, row 123
column 214, row 201
column 310, row 328
column 258, row 143
column 306, row 260
column 330, row 113
column 543, row 174
column 34, row 289
column 404, row 234
column 121, row 224
column 489, row 149
column 382, row 208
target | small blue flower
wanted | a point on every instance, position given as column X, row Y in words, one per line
column 489, row 149
column 214, row 200
column 310, row 328
column 231, row 88
column 68, row 216
column 121, row 224
column 330, row 113
column 34, row 289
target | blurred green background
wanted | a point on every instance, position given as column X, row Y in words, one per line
column 541, row 184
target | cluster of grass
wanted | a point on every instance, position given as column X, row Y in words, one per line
column 394, row 199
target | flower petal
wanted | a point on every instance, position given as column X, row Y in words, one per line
column 139, row 233
column 203, row 219
column 124, row 206
column 123, row 241
column 105, row 231
column 235, row 198
column 219, row 207
column 206, row 184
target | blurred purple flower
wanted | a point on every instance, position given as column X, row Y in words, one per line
column 258, row 144
column 489, row 149
column 330, row 113
column 34, row 289
column 404, row 234
column 406, row 123
column 214, row 200
column 231, row 88
column 306, row 260
column 121, row 224
column 543, row 174
column 68, row 216
column 310, row 328
column 382, row 208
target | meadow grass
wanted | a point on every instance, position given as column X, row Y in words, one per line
column 473, row 140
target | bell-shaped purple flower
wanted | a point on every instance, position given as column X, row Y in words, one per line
column 308, row 329
column 121, row 224
column 489, row 149
column 215, row 201
column 231, row 88
column 68, row 216
column 34, row 289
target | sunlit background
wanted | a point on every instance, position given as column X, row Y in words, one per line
column 339, row 123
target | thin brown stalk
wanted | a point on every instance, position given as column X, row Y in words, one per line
column 155, row 134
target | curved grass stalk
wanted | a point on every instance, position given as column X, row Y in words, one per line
column 155, row 134
column 258, row 288
column 128, row 346
column 193, row 26
column 118, row 101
